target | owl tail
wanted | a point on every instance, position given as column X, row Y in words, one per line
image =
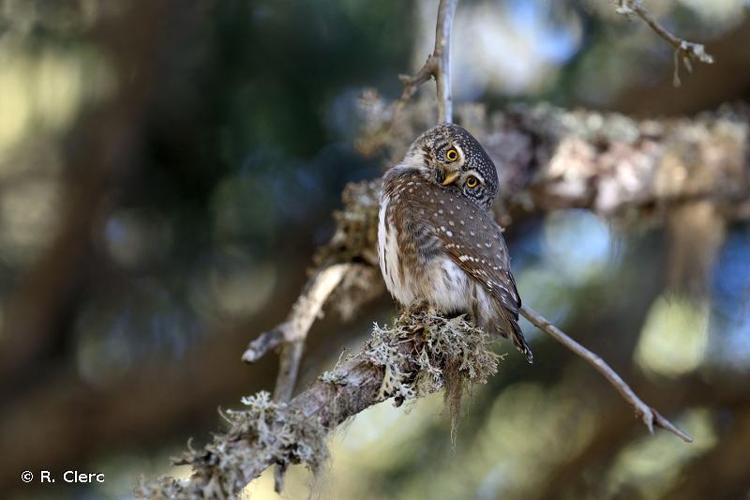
column 519, row 341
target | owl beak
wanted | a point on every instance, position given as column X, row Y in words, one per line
column 450, row 177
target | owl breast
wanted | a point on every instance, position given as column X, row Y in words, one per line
column 391, row 265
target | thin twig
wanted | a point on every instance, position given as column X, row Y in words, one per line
column 443, row 79
column 437, row 66
column 264, row 343
column 683, row 50
column 647, row 414
column 286, row 379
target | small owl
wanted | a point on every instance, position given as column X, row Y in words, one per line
column 438, row 242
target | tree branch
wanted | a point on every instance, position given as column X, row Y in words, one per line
column 616, row 166
column 683, row 50
column 437, row 66
column 420, row 354
column 294, row 330
column 647, row 414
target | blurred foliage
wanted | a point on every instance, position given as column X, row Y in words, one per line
column 238, row 158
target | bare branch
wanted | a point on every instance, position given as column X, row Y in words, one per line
column 443, row 31
column 266, row 341
column 684, row 51
column 647, row 414
column 437, row 66
column 303, row 314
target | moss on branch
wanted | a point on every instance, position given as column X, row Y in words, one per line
column 419, row 354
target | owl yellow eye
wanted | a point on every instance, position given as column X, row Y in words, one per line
column 451, row 154
column 472, row 182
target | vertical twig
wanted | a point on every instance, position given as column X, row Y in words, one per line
column 442, row 53
column 437, row 66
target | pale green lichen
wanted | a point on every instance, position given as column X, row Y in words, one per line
column 333, row 377
column 263, row 432
column 419, row 354
column 354, row 241
column 447, row 354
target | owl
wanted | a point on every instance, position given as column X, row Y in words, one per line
column 438, row 242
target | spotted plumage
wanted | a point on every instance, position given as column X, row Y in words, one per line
column 438, row 241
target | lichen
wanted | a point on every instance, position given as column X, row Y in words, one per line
column 356, row 235
column 354, row 241
column 333, row 377
column 263, row 432
column 420, row 353
column 447, row 354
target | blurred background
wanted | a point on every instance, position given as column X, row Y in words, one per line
column 168, row 168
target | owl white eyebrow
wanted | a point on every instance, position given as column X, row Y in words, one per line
column 460, row 151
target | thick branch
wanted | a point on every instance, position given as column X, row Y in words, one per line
column 420, row 354
column 646, row 413
column 549, row 158
column 437, row 66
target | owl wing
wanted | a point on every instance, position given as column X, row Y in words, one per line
column 486, row 259
column 475, row 243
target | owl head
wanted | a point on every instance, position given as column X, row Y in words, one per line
column 451, row 157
